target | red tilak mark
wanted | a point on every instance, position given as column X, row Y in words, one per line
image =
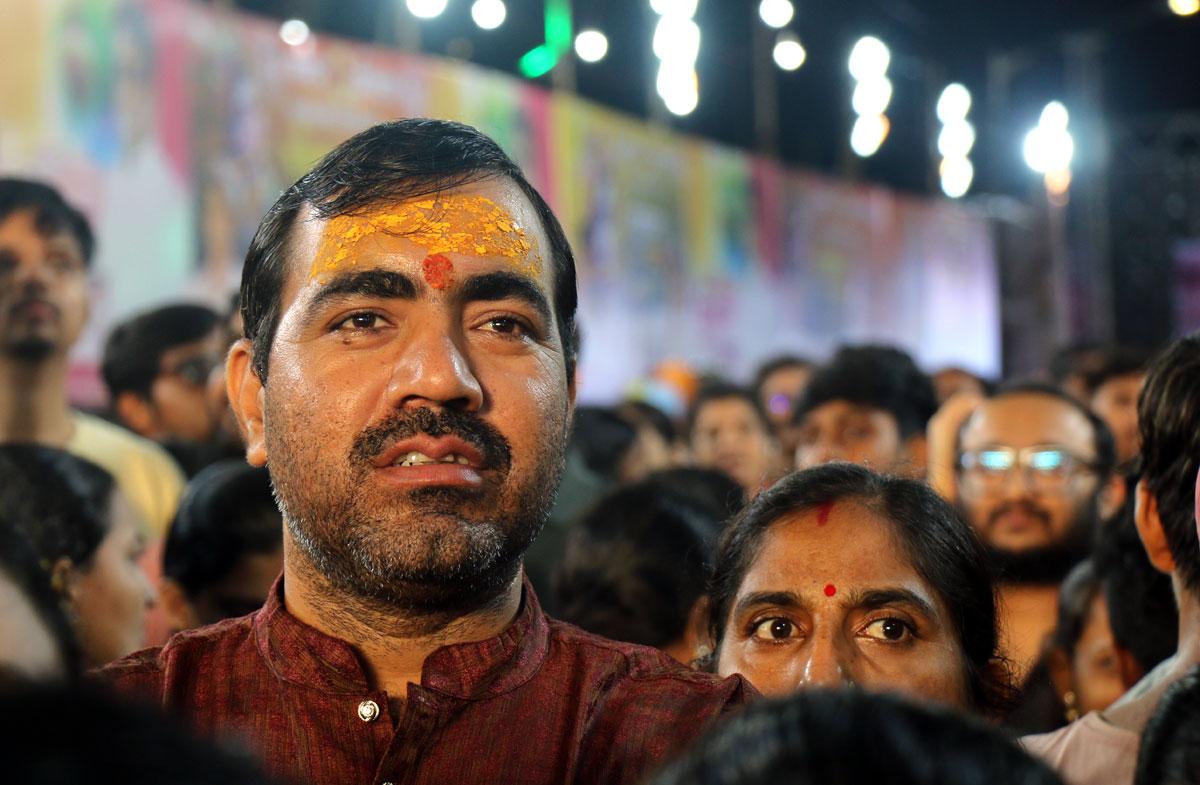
column 830, row 590
column 439, row 271
column 823, row 514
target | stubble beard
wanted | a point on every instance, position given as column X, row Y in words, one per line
column 430, row 551
column 1047, row 564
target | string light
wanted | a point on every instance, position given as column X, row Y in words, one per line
column 294, row 32
column 489, row 14
column 676, row 44
column 591, row 46
column 869, row 61
column 955, row 140
column 789, row 53
column 776, row 13
column 426, row 9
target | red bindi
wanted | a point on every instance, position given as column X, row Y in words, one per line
column 438, row 270
column 823, row 513
column 830, row 590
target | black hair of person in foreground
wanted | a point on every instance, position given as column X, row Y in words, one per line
column 848, row 737
column 1170, row 751
column 635, row 568
column 53, row 735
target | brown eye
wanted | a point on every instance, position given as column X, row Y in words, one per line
column 774, row 630
column 891, row 630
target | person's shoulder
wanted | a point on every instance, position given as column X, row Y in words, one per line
column 189, row 657
column 1089, row 750
column 639, row 665
column 96, row 436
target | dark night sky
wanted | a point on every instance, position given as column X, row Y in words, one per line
column 1150, row 65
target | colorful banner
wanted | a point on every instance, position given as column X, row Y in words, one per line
column 175, row 125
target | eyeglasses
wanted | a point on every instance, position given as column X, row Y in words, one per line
column 194, row 370
column 1043, row 467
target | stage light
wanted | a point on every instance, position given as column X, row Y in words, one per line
column 776, row 13
column 868, row 134
column 1054, row 116
column 679, row 88
column 1049, row 147
column 789, row 53
column 294, row 32
column 591, row 46
column 869, row 58
column 684, row 9
column 1185, row 7
column 956, row 139
column 872, row 96
column 956, row 176
column 954, row 103
column 489, row 14
column 426, row 9
column 677, row 39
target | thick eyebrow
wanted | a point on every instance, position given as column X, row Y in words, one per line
column 879, row 598
column 502, row 285
column 384, row 284
column 785, row 598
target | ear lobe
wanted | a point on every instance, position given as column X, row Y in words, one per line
column 180, row 614
column 1112, row 496
column 137, row 413
column 1150, row 530
column 245, row 392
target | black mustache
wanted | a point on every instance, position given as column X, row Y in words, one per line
column 373, row 441
column 1031, row 509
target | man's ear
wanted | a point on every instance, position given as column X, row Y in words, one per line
column 1131, row 670
column 175, row 604
column 1150, row 530
column 245, row 392
column 1112, row 496
column 136, row 413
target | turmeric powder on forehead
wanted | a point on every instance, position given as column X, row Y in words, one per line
column 469, row 225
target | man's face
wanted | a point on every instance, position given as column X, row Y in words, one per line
column 845, row 431
column 179, row 394
column 43, row 290
column 1115, row 402
column 781, row 390
column 1018, row 511
column 416, row 410
column 729, row 435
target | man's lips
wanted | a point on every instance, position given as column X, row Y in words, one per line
column 435, row 448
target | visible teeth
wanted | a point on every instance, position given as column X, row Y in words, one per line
column 419, row 459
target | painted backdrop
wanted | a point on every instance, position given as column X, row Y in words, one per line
column 175, row 125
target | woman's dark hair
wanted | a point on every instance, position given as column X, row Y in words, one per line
column 1075, row 596
column 1170, row 750
column 603, row 438
column 69, row 498
column 226, row 514
column 713, row 489
column 636, row 564
column 942, row 548
column 849, row 737
column 390, row 162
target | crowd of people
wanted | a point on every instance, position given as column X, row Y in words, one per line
column 356, row 527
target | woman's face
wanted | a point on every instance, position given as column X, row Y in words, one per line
column 831, row 600
column 1095, row 669
column 111, row 595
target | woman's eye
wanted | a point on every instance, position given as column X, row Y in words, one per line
column 891, row 630
column 774, row 630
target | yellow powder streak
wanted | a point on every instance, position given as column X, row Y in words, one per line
column 470, row 225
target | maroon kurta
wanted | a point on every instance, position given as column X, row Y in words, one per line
column 543, row 702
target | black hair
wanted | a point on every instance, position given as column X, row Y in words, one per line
column 1170, row 746
column 718, row 390
column 69, row 500
column 603, row 438
column 643, row 414
column 398, row 160
column 1074, row 360
column 1141, row 603
column 712, row 488
column 1075, row 596
column 226, row 514
column 779, row 363
column 51, row 213
column 849, row 737
column 881, row 377
column 19, row 563
column 1105, row 461
column 135, row 347
column 942, row 547
column 1169, row 424
column 111, row 742
column 1116, row 362
column 636, row 564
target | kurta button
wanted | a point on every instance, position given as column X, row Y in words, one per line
column 368, row 711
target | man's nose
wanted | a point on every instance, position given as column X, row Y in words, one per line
column 827, row 664
column 434, row 369
column 817, row 453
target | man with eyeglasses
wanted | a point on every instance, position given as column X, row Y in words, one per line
column 1034, row 476
column 157, row 366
